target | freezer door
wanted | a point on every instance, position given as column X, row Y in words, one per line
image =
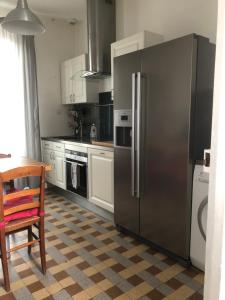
column 165, row 207
column 126, row 204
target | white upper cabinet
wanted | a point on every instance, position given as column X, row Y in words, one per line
column 75, row 89
column 133, row 43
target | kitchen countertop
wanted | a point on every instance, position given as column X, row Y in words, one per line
column 106, row 145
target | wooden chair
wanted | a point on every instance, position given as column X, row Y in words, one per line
column 19, row 211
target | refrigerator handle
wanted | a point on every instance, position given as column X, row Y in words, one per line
column 133, row 134
column 138, row 133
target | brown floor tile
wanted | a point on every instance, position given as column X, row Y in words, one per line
column 36, row 286
column 25, row 273
column 18, row 261
column 96, row 278
column 51, row 263
column 79, row 240
column 60, row 226
column 73, row 289
column 102, row 257
column 169, row 261
column 52, row 220
column 95, row 233
column 9, row 296
column 174, row 283
column 108, row 241
column 114, row 292
column 85, row 227
column 61, row 275
column 69, row 232
column 153, row 270
column 76, row 222
column 61, row 246
column 117, row 268
column 100, row 222
column 90, row 248
column 151, row 251
column 191, row 272
column 68, row 216
column 71, row 255
column 52, row 238
column 136, row 259
column 196, row 296
column 135, row 280
column 120, row 249
column 155, row 295
column 84, row 265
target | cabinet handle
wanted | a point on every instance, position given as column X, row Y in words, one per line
column 102, row 153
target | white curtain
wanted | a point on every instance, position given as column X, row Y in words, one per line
column 12, row 111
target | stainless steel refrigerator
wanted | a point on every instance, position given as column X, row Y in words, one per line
column 162, row 122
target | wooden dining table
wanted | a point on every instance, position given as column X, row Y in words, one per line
column 16, row 162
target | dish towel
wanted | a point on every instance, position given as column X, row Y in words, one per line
column 74, row 167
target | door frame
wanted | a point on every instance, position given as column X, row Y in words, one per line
column 215, row 245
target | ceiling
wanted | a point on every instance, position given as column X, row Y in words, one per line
column 65, row 9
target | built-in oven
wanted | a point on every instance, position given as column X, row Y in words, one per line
column 76, row 170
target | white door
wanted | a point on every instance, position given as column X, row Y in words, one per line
column 60, row 169
column 101, row 178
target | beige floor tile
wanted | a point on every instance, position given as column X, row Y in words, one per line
column 66, row 282
column 200, row 278
column 54, row 288
column 41, row 294
column 182, row 293
column 170, row 273
column 105, row 285
column 90, row 271
column 93, row 291
column 123, row 297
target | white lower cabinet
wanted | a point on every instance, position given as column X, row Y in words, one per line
column 60, row 169
column 56, row 158
column 48, row 159
column 101, row 178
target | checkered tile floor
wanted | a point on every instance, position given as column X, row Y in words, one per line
column 88, row 259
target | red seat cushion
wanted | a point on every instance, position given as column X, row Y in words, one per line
column 22, row 214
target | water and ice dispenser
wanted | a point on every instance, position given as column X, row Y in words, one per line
column 123, row 128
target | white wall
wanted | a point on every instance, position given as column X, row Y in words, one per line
column 171, row 18
column 52, row 47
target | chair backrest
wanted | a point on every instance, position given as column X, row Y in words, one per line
column 4, row 155
column 21, row 172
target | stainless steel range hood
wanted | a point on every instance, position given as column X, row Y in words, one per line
column 101, row 21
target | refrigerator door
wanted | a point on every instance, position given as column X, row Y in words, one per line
column 126, row 204
column 165, row 207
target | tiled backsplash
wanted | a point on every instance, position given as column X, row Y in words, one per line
column 101, row 114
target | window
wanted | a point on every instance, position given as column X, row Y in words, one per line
column 12, row 115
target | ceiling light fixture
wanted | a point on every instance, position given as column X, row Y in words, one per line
column 22, row 20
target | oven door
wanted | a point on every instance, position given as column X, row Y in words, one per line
column 76, row 177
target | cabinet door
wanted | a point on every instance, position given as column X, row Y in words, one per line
column 79, row 84
column 48, row 159
column 59, row 162
column 67, row 82
column 101, row 178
